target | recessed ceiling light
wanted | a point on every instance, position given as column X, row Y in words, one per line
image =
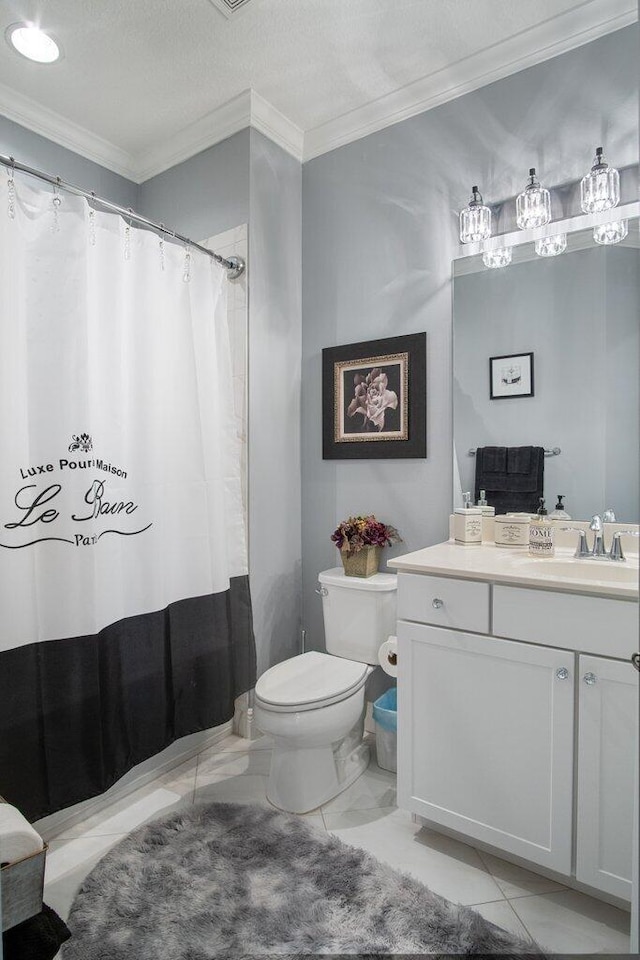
column 32, row 42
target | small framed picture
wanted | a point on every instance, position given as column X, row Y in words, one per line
column 374, row 399
column 511, row 376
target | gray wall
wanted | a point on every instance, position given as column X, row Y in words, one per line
column 379, row 233
column 248, row 179
column 578, row 313
column 205, row 195
column 275, row 345
column 36, row 151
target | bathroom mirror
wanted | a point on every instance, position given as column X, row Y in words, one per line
column 578, row 314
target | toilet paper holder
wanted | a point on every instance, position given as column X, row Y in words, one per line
column 388, row 656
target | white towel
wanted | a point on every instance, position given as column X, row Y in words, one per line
column 18, row 839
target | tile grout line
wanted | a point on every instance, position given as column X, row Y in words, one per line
column 529, row 934
column 520, row 920
column 520, row 896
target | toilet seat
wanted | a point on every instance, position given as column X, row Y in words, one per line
column 310, row 681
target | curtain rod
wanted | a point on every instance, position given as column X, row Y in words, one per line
column 234, row 266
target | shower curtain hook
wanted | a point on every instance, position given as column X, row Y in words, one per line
column 127, row 237
column 186, row 276
column 56, row 201
column 11, row 191
column 161, row 245
column 92, row 221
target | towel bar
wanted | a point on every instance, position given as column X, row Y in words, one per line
column 554, row 452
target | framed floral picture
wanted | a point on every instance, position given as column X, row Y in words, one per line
column 374, row 399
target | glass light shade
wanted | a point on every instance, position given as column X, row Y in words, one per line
column 33, row 43
column 611, row 232
column 533, row 205
column 600, row 189
column 475, row 220
column 494, row 259
column 551, row 246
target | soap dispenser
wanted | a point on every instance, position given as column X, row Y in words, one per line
column 487, row 511
column 559, row 513
column 541, row 534
column 467, row 524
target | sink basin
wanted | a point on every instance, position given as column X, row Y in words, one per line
column 600, row 570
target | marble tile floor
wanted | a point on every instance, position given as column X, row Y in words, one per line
column 365, row 815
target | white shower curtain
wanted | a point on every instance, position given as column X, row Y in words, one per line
column 125, row 613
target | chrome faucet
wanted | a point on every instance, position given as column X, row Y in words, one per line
column 616, row 546
column 582, row 549
column 598, row 549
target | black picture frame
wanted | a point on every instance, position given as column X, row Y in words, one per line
column 511, row 376
column 374, row 399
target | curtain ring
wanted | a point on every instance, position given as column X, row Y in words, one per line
column 11, row 191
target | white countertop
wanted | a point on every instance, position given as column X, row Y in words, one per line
column 513, row 565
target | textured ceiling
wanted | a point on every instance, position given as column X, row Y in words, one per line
column 135, row 72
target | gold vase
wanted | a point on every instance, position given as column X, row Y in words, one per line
column 363, row 563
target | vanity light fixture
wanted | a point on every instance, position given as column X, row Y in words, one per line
column 533, row 205
column 32, row 42
column 475, row 219
column 551, row 246
column 607, row 233
column 600, row 189
column 494, row 259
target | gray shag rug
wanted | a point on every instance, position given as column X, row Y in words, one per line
column 228, row 880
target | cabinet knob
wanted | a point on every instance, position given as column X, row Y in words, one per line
column 562, row 673
column 436, row 604
column 590, row 679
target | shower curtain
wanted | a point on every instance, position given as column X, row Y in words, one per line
column 125, row 615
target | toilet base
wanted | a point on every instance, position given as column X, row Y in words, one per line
column 302, row 779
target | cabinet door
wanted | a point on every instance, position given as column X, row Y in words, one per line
column 607, row 745
column 485, row 739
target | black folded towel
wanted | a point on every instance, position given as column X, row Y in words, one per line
column 494, row 459
column 38, row 938
column 519, row 459
column 513, row 477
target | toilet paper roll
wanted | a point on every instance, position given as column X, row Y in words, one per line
column 387, row 656
column 18, row 839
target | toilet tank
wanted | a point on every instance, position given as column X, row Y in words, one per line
column 359, row 613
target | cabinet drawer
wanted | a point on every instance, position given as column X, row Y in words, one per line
column 462, row 604
column 595, row 625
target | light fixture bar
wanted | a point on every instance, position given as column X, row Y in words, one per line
column 583, row 221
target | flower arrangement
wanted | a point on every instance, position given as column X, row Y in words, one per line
column 354, row 534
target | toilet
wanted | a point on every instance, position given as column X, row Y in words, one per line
column 313, row 705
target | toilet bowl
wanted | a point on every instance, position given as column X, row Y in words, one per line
column 313, row 705
column 313, row 708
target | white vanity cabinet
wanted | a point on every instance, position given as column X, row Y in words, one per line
column 485, row 738
column 607, row 732
column 504, row 736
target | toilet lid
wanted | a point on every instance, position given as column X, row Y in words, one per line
column 310, row 678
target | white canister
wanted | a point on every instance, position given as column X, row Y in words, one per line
column 467, row 525
column 512, row 531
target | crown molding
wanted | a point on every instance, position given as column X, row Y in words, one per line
column 554, row 36
column 248, row 109
column 218, row 125
column 47, row 123
column 559, row 34
column 273, row 124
